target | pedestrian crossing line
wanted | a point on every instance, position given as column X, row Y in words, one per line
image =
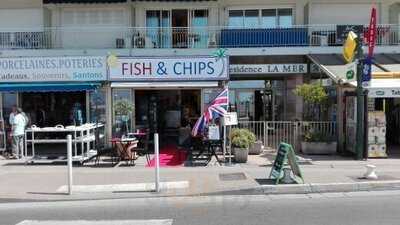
column 96, row 222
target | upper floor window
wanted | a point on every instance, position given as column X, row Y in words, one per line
column 265, row 18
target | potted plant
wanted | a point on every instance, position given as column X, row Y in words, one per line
column 256, row 148
column 241, row 140
column 316, row 142
column 314, row 95
column 123, row 109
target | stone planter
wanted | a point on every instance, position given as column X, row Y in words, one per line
column 241, row 154
column 319, row 148
column 256, row 148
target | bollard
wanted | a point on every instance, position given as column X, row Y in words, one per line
column 69, row 158
column 370, row 174
column 157, row 159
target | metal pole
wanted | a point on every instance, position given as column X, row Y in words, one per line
column 69, row 158
column 224, row 150
column 360, row 102
column 157, row 157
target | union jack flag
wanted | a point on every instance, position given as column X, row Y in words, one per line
column 217, row 108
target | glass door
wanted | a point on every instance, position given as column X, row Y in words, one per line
column 158, row 23
column 245, row 105
column 180, row 28
column 123, row 112
column 199, row 34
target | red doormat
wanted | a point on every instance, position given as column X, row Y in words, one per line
column 169, row 156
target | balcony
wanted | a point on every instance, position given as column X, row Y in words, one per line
column 193, row 38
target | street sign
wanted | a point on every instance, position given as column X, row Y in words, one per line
column 349, row 47
column 230, row 119
column 285, row 156
column 343, row 30
column 350, row 73
column 366, row 72
column 372, row 33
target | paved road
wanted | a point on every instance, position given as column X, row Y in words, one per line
column 368, row 208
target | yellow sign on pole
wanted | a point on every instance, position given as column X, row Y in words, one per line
column 350, row 47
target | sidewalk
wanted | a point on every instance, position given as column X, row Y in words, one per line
column 20, row 182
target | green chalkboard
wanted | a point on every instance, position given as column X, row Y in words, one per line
column 285, row 156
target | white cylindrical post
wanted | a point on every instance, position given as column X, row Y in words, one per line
column 69, row 158
column 157, row 166
column 230, row 148
column 224, row 150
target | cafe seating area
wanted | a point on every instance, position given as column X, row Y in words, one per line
column 136, row 149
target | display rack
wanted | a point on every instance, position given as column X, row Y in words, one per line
column 83, row 136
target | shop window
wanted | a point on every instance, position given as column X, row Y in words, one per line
column 261, row 18
column 98, row 106
column 97, row 110
column 122, row 112
column 245, row 105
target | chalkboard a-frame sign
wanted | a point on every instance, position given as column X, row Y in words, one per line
column 285, row 155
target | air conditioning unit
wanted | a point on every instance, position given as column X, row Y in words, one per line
column 212, row 41
column 142, row 42
column 323, row 40
column 120, row 43
column 319, row 40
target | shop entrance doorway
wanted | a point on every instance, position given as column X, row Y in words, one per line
column 391, row 109
column 53, row 108
column 171, row 113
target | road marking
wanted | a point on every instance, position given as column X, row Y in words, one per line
column 96, row 222
column 125, row 187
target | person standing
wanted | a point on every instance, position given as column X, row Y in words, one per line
column 18, row 132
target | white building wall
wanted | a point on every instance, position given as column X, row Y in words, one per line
column 91, row 26
column 15, row 4
column 336, row 13
column 27, row 18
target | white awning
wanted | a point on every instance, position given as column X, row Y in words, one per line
column 334, row 65
column 164, row 85
column 383, row 88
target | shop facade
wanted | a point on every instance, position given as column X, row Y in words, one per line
column 48, row 89
column 162, row 94
column 262, row 87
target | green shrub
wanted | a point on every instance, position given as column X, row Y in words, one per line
column 312, row 93
column 242, row 138
column 317, row 136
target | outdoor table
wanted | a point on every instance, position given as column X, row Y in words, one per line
column 124, row 141
column 139, row 134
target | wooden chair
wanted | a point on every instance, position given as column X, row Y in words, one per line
column 127, row 154
column 143, row 147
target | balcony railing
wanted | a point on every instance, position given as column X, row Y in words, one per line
column 194, row 37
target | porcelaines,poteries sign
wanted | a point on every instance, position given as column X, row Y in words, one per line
column 168, row 68
column 42, row 69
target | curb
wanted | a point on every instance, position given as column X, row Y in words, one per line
column 327, row 187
